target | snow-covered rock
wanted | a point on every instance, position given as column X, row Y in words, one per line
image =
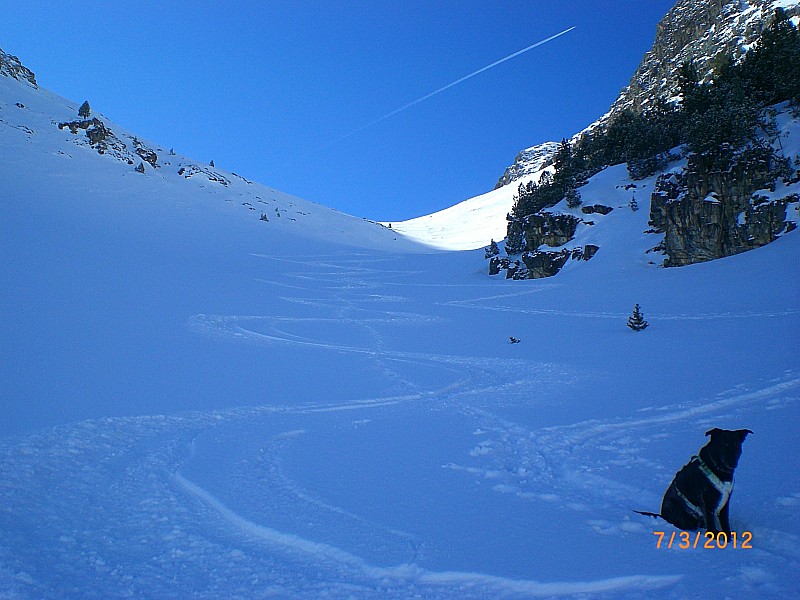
column 10, row 66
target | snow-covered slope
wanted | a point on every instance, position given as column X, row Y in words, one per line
column 471, row 224
column 467, row 225
column 33, row 146
column 476, row 221
column 199, row 404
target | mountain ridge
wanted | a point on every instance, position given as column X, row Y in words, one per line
column 11, row 66
column 676, row 42
column 690, row 31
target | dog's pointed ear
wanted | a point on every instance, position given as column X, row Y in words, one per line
column 713, row 431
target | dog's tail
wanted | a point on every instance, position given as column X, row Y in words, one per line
column 649, row 514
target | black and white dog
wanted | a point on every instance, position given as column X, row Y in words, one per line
column 699, row 495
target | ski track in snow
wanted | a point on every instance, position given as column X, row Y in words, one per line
column 79, row 489
column 120, row 478
column 481, row 303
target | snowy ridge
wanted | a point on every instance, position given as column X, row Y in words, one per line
column 10, row 66
column 528, row 162
column 470, row 224
column 34, row 120
column 465, row 226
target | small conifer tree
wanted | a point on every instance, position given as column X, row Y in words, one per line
column 636, row 320
column 211, row 164
column 491, row 250
column 84, row 111
column 633, row 204
column 140, row 168
column 573, row 197
column 515, row 240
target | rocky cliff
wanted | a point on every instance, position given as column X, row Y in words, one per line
column 735, row 177
column 529, row 161
column 695, row 31
column 721, row 205
column 10, row 66
column 702, row 31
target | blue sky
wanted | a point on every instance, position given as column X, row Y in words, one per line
column 268, row 89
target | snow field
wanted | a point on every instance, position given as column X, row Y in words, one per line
column 482, row 472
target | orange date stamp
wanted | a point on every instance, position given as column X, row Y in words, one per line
column 685, row 540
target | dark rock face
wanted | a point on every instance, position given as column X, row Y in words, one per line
column 546, row 263
column 145, row 153
column 585, row 253
column 101, row 138
column 496, row 264
column 528, row 235
column 543, row 263
column 596, row 208
column 549, row 229
column 74, row 126
column 516, row 270
column 148, row 155
column 95, row 129
column 97, row 133
column 10, row 66
column 539, row 263
column 710, row 209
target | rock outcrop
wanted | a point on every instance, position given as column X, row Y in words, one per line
column 537, row 264
column 10, row 66
column 145, row 153
column 699, row 32
column 529, row 161
column 543, row 238
column 711, row 209
column 101, row 138
column 544, row 263
column 548, row 229
column 194, row 170
column 596, row 208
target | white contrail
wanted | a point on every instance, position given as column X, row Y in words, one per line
column 457, row 81
column 446, row 87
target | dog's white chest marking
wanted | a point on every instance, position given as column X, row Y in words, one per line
column 723, row 487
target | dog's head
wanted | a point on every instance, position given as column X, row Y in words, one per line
column 726, row 446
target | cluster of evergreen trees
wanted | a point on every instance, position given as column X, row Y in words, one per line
column 726, row 111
